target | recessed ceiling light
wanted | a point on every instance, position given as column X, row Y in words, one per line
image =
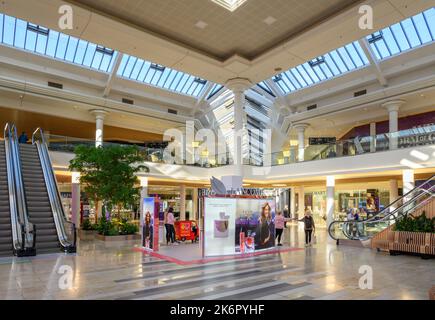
column 231, row 5
column 201, row 24
column 269, row 20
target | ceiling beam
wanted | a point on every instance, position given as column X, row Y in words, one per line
column 112, row 75
column 276, row 91
column 374, row 62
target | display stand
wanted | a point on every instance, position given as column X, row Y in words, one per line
column 150, row 223
column 237, row 225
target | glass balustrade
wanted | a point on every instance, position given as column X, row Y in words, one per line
column 420, row 136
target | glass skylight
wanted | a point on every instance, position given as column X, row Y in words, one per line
column 405, row 35
column 160, row 76
column 230, row 5
column 40, row 40
column 327, row 66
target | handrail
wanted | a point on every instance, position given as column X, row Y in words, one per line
column 23, row 232
column 405, row 206
column 53, row 193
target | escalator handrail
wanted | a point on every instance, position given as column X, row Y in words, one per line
column 405, row 195
column 22, row 230
column 53, row 191
column 389, row 215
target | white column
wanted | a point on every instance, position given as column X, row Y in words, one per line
column 394, row 192
column 408, row 181
column 238, row 86
column 99, row 126
column 373, row 137
column 75, row 195
column 182, row 202
column 195, row 204
column 301, row 202
column 393, row 113
column 330, row 199
column 293, row 202
column 300, row 128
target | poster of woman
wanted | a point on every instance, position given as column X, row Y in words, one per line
column 147, row 222
column 255, row 228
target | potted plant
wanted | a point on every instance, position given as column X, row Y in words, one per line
column 414, row 235
column 109, row 174
column 109, row 230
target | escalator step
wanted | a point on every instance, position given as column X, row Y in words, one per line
column 46, row 232
column 45, row 226
column 43, row 221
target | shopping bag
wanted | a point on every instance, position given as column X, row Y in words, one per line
column 314, row 240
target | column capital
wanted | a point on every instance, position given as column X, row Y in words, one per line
column 238, row 85
column 393, row 105
column 99, row 113
column 300, row 127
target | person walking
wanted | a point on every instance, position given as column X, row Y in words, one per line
column 23, row 138
column 309, row 227
column 280, row 221
column 167, row 228
column 171, row 221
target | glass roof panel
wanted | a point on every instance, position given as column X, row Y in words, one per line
column 40, row 40
column 327, row 66
column 136, row 69
column 408, row 34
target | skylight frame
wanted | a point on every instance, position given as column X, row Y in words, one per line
column 406, row 35
column 322, row 68
column 230, row 5
column 39, row 40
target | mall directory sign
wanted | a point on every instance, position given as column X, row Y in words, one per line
column 238, row 225
column 150, row 224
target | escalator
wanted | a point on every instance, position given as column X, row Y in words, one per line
column 6, row 244
column 43, row 201
column 17, row 234
column 403, row 206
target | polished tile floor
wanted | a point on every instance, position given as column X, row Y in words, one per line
column 116, row 271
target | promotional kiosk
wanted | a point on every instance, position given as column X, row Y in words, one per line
column 238, row 225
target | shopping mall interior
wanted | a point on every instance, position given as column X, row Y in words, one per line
column 217, row 150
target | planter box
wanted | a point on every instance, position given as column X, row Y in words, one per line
column 87, row 234
column 412, row 242
column 119, row 238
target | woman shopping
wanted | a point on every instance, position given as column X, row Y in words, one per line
column 280, row 221
column 309, row 227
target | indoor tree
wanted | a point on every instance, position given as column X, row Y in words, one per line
column 109, row 173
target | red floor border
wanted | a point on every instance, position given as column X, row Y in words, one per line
column 207, row 260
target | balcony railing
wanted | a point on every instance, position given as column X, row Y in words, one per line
column 415, row 137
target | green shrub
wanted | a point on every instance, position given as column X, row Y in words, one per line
column 418, row 224
column 128, row 228
column 106, row 227
column 87, row 225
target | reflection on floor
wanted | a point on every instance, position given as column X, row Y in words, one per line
column 115, row 271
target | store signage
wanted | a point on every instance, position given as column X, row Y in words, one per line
column 321, row 140
column 233, row 192
column 423, row 138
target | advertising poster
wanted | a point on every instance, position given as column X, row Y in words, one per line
column 255, row 227
column 238, row 225
column 219, row 226
column 147, row 222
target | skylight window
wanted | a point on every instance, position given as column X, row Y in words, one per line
column 27, row 36
column 327, row 66
column 231, row 5
column 136, row 69
column 405, row 35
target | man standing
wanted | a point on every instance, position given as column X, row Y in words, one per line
column 23, row 138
